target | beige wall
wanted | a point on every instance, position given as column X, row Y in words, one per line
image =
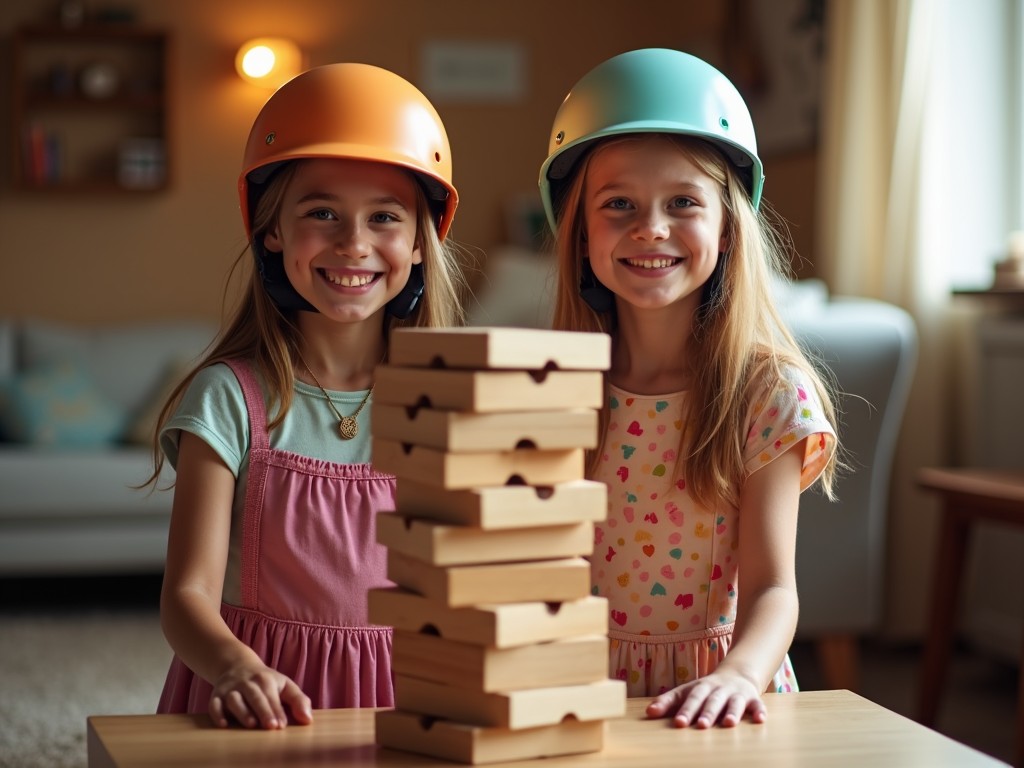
column 115, row 258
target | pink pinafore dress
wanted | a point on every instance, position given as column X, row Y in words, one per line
column 309, row 556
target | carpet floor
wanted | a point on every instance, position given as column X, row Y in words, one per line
column 66, row 658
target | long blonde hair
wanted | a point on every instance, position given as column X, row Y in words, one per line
column 260, row 331
column 740, row 343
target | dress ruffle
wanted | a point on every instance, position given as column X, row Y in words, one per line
column 652, row 665
column 335, row 666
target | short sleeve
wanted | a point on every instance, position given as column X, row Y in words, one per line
column 783, row 415
column 213, row 409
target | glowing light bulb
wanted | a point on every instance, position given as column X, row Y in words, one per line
column 269, row 61
column 258, row 61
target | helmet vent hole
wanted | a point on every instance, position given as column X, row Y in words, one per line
column 270, row 138
column 437, row 157
column 724, row 122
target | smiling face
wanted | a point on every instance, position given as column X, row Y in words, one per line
column 347, row 229
column 653, row 222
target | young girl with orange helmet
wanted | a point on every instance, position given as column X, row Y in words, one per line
column 715, row 420
column 346, row 197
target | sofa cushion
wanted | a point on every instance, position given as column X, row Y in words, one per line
column 98, row 483
column 128, row 364
column 57, row 404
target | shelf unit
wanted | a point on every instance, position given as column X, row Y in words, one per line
column 91, row 109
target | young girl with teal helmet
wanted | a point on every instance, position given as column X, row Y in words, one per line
column 715, row 420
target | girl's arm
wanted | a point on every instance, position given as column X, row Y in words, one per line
column 767, row 610
column 190, row 599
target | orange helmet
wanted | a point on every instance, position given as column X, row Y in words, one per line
column 353, row 111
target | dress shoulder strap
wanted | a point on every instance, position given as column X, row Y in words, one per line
column 254, row 402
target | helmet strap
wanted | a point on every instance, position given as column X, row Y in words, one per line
column 711, row 293
column 405, row 303
column 271, row 268
column 597, row 295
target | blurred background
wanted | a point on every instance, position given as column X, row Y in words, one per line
column 890, row 132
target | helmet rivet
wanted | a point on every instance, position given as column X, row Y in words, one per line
column 724, row 122
column 559, row 137
column 270, row 138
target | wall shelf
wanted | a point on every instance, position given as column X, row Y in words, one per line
column 91, row 109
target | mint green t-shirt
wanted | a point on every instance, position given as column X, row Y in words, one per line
column 213, row 408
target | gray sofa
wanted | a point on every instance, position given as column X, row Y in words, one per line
column 76, row 408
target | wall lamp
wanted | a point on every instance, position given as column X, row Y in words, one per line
column 269, row 61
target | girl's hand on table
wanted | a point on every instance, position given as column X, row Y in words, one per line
column 721, row 697
column 256, row 696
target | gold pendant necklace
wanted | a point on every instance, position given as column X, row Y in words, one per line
column 347, row 426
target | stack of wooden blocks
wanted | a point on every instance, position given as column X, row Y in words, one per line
column 500, row 651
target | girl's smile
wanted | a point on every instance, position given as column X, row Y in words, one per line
column 651, row 264
column 348, row 279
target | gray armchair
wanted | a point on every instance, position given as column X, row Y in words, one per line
column 871, row 348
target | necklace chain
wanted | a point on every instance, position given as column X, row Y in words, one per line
column 347, row 425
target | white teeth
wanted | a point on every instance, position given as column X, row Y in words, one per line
column 650, row 263
column 348, row 280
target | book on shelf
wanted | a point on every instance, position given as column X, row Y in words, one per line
column 42, row 156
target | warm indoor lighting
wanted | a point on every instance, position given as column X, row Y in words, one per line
column 268, row 61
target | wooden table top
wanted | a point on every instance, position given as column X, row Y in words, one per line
column 812, row 728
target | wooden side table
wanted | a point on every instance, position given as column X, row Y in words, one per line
column 969, row 496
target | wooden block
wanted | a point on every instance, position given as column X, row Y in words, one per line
column 487, row 391
column 500, row 348
column 477, row 746
column 472, row 470
column 574, row 661
column 500, row 625
column 457, row 586
column 504, row 506
column 512, row 709
column 439, row 544
column 458, row 431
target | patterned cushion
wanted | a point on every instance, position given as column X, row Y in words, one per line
column 57, row 404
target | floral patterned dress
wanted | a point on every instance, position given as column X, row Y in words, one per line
column 668, row 567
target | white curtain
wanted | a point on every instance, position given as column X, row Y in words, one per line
column 880, row 201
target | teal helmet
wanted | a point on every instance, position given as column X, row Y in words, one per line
column 652, row 90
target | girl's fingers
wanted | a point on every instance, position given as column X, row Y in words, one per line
column 236, row 706
column 758, row 711
column 216, row 712
column 664, row 704
column 692, row 707
column 733, row 712
column 258, row 698
column 298, row 702
column 261, row 696
column 710, row 711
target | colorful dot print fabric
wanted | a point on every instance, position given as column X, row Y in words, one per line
column 669, row 568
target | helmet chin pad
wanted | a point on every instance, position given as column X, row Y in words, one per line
column 280, row 289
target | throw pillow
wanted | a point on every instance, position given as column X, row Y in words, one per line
column 57, row 405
